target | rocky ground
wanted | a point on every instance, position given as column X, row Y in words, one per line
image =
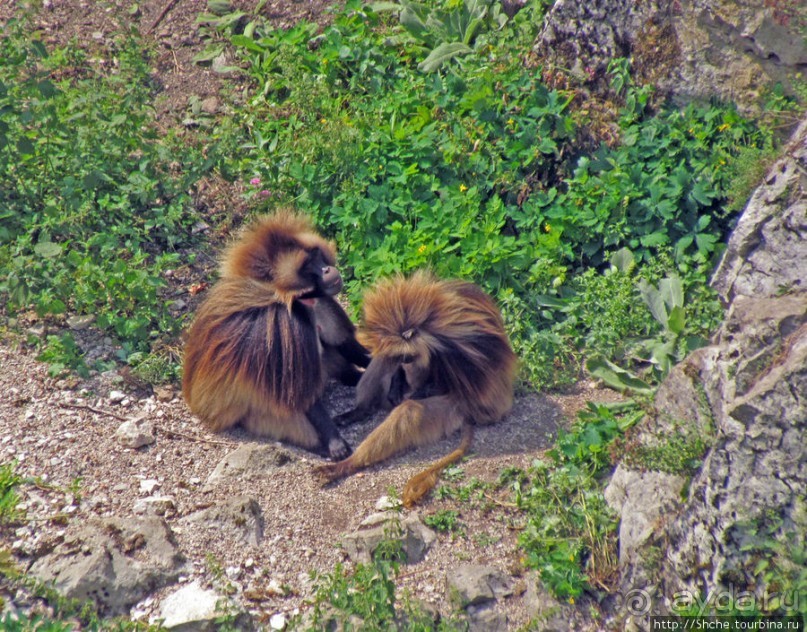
column 226, row 512
column 246, row 515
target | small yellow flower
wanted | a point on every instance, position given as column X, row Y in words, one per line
column 323, row 121
column 571, row 600
column 511, row 122
column 723, row 127
column 421, row 249
column 463, row 188
column 547, row 227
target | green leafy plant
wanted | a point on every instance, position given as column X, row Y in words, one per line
column 367, row 599
column 674, row 341
column 95, row 202
column 474, row 170
column 62, row 354
column 569, row 533
column 9, row 498
column 449, row 31
column 444, row 520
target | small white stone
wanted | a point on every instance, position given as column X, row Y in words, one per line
column 157, row 505
column 385, row 503
column 116, row 397
column 277, row 621
column 274, row 588
column 135, row 433
column 149, row 485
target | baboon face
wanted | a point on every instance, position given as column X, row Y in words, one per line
column 322, row 274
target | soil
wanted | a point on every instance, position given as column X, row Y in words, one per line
column 61, row 432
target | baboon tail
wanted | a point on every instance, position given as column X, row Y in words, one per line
column 422, row 483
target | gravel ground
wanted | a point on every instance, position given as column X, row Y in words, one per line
column 62, row 432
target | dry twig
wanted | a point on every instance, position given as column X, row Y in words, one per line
column 162, row 15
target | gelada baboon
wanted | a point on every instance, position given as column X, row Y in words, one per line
column 441, row 359
column 270, row 334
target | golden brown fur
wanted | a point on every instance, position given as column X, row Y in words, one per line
column 254, row 353
column 440, row 347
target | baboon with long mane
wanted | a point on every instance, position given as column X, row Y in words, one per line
column 270, row 334
column 441, row 359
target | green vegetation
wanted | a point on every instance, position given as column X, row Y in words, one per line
column 446, row 520
column 94, row 204
column 569, row 533
column 366, row 598
column 679, row 452
column 474, row 169
column 9, row 497
column 414, row 133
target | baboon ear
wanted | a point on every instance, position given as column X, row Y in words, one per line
column 407, row 335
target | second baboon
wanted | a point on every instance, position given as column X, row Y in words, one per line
column 441, row 360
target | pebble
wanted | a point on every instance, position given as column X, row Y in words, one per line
column 385, row 503
column 149, row 485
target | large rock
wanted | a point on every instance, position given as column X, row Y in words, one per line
column 240, row 517
column 196, row 609
column 733, row 49
column 475, row 584
column 414, row 537
column 641, row 498
column 250, row 461
column 767, row 251
column 113, row 562
column 748, row 392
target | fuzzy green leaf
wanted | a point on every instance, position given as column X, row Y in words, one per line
column 616, row 377
column 443, row 53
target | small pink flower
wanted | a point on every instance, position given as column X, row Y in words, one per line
column 255, row 181
column 265, row 193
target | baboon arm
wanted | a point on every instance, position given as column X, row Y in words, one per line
column 337, row 331
column 333, row 446
column 412, row 423
column 371, row 391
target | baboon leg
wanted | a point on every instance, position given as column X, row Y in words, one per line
column 291, row 427
column 372, row 390
column 313, row 430
column 412, row 423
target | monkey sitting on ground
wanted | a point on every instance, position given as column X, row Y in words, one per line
column 441, row 359
column 269, row 335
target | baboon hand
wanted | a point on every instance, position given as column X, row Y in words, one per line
column 338, row 449
column 330, row 472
